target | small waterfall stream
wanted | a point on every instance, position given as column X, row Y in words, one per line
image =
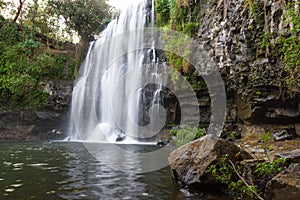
column 107, row 102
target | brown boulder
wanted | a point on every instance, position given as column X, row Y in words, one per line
column 189, row 162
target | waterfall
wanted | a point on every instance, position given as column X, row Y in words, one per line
column 108, row 100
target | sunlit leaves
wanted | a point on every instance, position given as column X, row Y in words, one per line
column 86, row 17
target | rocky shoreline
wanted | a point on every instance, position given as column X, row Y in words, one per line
column 190, row 164
column 51, row 122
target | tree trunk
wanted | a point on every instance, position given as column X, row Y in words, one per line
column 35, row 10
column 19, row 10
column 81, row 53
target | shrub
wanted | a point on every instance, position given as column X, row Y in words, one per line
column 187, row 134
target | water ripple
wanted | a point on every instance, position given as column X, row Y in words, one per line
column 68, row 171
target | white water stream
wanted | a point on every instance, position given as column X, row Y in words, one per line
column 107, row 96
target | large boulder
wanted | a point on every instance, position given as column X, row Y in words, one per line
column 189, row 162
column 286, row 185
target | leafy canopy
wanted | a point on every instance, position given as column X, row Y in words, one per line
column 86, row 17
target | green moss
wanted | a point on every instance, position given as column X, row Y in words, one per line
column 256, row 9
column 181, row 16
column 289, row 42
column 285, row 45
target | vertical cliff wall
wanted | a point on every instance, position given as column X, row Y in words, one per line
column 255, row 44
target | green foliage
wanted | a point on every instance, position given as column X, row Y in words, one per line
column 266, row 137
column 24, row 63
column 177, row 53
column 265, row 42
column 232, row 135
column 174, row 45
column 179, row 16
column 256, row 10
column 224, row 167
column 86, row 17
column 289, row 45
column 191, row 28
column 269, row 168
column 21, row 74
column 36, row 99
column 286, row 45
column 35, row 15
column 187, row 134
column 2, row 3
column 162, row 8
column 184, row 17
column 9, row 33
column 224, row 173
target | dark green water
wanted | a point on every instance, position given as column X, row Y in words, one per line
column 67, row 171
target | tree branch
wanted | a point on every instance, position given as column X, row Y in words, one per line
column 19, row 10
column 258, row 196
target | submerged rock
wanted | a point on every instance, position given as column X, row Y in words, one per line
column 286, row 185
column 161, row 143
column 55, row 134
column 189, row 162
column 121, row 136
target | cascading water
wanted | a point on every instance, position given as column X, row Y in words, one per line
column 107, row 102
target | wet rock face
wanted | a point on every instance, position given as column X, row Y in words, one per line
column 254, row 76
column 285, row 185
column 268, row 110
column 189, row 162
column 14, row 126
column 59, row 95
column 232, row 33
column 257, row 94
column 38, row 125
column 16, row 132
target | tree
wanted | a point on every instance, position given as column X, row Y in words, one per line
column 86, row 17
column 2, row 4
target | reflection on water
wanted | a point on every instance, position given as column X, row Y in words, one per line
column 68, row 171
